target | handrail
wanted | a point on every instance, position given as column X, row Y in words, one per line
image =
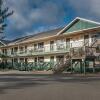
column 93, row 43
column 68, row 60
column 78, row 48
column 59, row 65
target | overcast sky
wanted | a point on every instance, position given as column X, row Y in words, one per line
column 33, row 16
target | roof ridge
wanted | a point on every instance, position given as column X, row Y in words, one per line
column 75, row 19
column 88, row 20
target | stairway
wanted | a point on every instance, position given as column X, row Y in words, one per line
column 60, row 67
column 89, row 54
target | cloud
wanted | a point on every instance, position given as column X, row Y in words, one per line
column 87, row 8
column 33, row 16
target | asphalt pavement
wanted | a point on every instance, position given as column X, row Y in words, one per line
column 28, row 86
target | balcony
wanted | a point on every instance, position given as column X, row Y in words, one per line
column 50, row 50
column 40, row 51
column 83, row 52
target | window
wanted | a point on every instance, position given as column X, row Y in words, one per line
column 60, row 44
column 98, row 49
column 40, row 45
column 15, row 49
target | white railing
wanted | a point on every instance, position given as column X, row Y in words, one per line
column 45, row 49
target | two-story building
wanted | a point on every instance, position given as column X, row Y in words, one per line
column 80, row 39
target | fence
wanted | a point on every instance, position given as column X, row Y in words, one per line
column 27, row 66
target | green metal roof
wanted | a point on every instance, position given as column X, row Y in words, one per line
column 79, row 24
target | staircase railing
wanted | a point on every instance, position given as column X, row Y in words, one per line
column 93, row 43
column 82, row 51
column 91, row 50
column 59, row 67
column 78, row 51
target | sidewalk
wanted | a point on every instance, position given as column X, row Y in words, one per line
column 25, row 72
column 50, row 73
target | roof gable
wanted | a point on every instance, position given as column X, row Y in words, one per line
column 79, row 24
column 1, row 43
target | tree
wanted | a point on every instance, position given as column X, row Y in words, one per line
column 4, row 14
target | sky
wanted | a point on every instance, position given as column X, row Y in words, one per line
column 34, row 16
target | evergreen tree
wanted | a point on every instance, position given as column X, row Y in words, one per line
column 4, row 13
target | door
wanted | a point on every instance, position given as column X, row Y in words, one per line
column 86, row 40
column 68, row 43
column 41, row 59
column 26, row 60
column 35, row 47
column 35, row 59
column 60, row 59
column 52, row 59
column 51, row 45
column 41, row 47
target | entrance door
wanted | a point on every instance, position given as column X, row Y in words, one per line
column 51, row 45
column 68, row 44
column 86, row 40
column 26, row 60
column 60, row 59
column 52, row 59
column 41, row 59
column 35, row 59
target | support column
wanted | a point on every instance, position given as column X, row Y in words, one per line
column 12, row 62
column 93, row 66
column 84, row 65
column 71, row 66
column 80, row 66
column 18, row 60
column 18, row 49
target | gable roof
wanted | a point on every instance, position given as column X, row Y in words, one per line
column 79, row 24
column 4, row 42
column 37, row 36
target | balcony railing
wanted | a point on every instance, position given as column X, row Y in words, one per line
column 83, row 52
column 54, row 48
column 42, row 50
column 75, row 51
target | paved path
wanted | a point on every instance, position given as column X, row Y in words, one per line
column 28, row 86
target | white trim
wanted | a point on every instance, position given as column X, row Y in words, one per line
column 66, row 26
column 88, row 20
column 77, row 18
column 74, row 32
